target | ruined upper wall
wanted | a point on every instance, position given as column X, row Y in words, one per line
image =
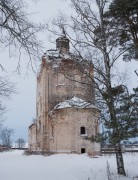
column 64, row 76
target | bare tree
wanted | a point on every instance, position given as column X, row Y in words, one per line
column 16, row 31
column 6, row 136
column 95, row 43
column 7, row 88
column 21, row 143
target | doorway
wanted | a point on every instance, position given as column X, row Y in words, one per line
column 82, row 150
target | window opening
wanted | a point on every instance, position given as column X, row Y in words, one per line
column 82, row 130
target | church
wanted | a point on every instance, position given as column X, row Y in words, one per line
column 66, row 114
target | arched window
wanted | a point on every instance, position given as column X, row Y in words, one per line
column 82, row 130
column 61, row 79
column 39, row 125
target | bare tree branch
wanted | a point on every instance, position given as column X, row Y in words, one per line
column 16, row 31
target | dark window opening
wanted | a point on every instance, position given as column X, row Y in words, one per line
column 52, row 131
column 82, row 150
column 83, row 131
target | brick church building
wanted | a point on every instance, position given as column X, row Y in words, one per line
column 66, row 114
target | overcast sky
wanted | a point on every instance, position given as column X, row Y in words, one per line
column 22, row 106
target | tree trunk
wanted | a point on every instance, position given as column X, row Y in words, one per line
column 136, row 51
column 118, row 150
column 120, row 162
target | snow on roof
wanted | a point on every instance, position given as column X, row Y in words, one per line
column 52, row 53
column 74, row 102
column 54, row 58
column 57, row 54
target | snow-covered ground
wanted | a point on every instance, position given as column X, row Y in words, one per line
column 16, row 166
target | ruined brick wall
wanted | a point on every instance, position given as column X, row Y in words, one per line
column 60, row 79
column 32, row 137
column 65, row 130
column 64, row 134
column 65, row 82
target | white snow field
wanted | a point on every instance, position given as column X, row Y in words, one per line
column 16, row 166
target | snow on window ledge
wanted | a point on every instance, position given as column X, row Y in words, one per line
column 61, row 86
column 84, row 135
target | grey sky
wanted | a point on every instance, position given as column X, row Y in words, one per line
column 21, row 107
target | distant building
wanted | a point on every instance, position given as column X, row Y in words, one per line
column 66, row 111
column 23, row 146
column 4, row 148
